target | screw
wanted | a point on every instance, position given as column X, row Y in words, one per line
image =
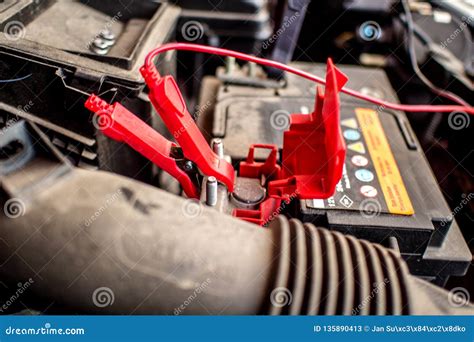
column 211, row 191
column 218, row 147
column 99, row 46
column 252, row 69
column 230, row 65
column 107, row 35
column 98, row 51
column 100, row 43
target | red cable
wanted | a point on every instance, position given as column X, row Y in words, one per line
column 239, row 55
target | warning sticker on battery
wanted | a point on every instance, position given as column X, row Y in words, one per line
column 388, row 174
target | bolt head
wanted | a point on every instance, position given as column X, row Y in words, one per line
column 99, row 51
column 107, row 34
column 100, row 43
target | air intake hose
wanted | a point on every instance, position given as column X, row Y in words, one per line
column 95, row 242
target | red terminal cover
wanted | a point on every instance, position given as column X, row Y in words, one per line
column 267, row 211
column 167, row 100
column 313, row 155
column 252, row 169
column 313, row 148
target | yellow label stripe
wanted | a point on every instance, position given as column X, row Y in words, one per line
column 391, row 182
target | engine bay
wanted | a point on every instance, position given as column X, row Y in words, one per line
column 250, row 150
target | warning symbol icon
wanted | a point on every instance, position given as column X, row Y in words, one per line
column 346, row 201
column 357, row 147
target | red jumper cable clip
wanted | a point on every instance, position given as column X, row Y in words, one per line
column 168, row 102
column 122, row 125
column 118, row 123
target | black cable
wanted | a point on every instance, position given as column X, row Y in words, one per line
column 15, row 79
column 413, row 60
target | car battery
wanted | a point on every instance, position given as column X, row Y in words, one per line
column 388, row 193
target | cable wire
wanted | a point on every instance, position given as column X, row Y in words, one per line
column 239, row 55
column 15, row 79
column 414, row 62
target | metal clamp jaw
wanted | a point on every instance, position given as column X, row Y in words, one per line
column 118, row 123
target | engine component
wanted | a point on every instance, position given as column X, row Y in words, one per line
column 347, row 217
column 287, row 35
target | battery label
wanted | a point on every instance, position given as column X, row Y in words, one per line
column 371, row 182
column 388, row 174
